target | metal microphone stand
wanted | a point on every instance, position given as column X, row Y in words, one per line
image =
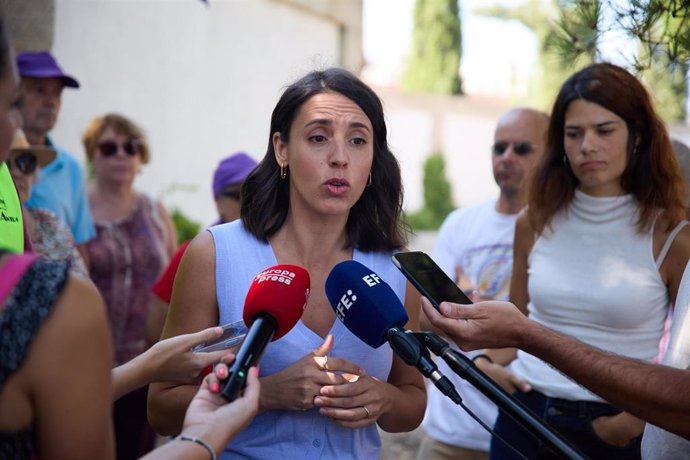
column 465, row 368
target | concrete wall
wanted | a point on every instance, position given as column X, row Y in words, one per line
column 462, row 128
column 200, row 77
column 30, row 23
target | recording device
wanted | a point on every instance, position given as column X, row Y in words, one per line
column 274, row 304
column 428, row 278
column 370, row 310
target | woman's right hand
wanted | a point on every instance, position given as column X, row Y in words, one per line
column 502, row 376
column 295, row 387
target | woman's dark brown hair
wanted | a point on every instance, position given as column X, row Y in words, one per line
column 374, row 223
column 651, row 175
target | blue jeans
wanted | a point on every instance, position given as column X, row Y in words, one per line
column 572, row 419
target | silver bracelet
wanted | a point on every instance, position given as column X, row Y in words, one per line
column 201, row 442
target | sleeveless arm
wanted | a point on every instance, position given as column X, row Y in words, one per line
column 407, row 389
column 673, row 266
column 68, row 374
column 193, row 307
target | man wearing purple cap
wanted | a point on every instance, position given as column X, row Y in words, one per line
column 60, row 188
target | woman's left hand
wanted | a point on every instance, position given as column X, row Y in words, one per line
column 355, row 404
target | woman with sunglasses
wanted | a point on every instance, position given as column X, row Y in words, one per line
column 598, row 254
column 135, row 239
column 50, row 236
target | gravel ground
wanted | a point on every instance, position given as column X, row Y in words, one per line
column 400, row 446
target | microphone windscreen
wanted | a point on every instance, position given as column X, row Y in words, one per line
column 281, row 292
column 365, row 303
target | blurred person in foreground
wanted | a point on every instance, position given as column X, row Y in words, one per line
column 135, row 239
column 12, row 229
column 475, row 248
column 327, row 190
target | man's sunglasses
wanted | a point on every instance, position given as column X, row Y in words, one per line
column 131, row 147
column 26, row 163
column 520, row 148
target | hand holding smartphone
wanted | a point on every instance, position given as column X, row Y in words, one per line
column 233, row 334
column 428, row 278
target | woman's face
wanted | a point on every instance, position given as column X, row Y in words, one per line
column 329, row 155
column 596, row 144
column 117, row 158
column 24, row 180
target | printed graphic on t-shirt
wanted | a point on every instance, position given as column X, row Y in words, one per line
column 490, row 267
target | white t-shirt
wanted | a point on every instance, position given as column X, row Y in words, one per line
column 479, row 240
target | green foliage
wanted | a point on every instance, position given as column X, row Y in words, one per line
column 575, row 35
column 661, row 29
column 438, row 202
column 434, row 62
column 549, row 72
column 185, row 227
column 571, row 34
column 669, row 87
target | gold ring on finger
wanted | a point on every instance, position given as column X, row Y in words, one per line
column 367, row 411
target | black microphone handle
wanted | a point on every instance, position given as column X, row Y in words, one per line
column 466, row 369
column 408, row 347
column 253, row 346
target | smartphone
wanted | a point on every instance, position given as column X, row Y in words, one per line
column 233, row 334
column 428, row 278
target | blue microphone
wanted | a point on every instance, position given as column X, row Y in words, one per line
column 369, row 308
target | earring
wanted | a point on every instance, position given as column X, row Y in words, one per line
column 369, row 181
column 283, row 171
column 565, row 160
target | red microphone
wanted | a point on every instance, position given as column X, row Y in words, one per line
column 274, row 304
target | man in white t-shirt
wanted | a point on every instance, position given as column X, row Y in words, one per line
column 475, row 248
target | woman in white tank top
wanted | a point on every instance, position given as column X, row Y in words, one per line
column 598, row 254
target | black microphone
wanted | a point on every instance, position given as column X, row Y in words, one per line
column 408, row 347
column 370, row 310
column 465, row 368
column 274, row 304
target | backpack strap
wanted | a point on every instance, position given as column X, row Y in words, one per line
column 669, row 242
column 12, row 271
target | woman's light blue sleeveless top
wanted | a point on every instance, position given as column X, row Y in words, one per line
column 282, row 434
